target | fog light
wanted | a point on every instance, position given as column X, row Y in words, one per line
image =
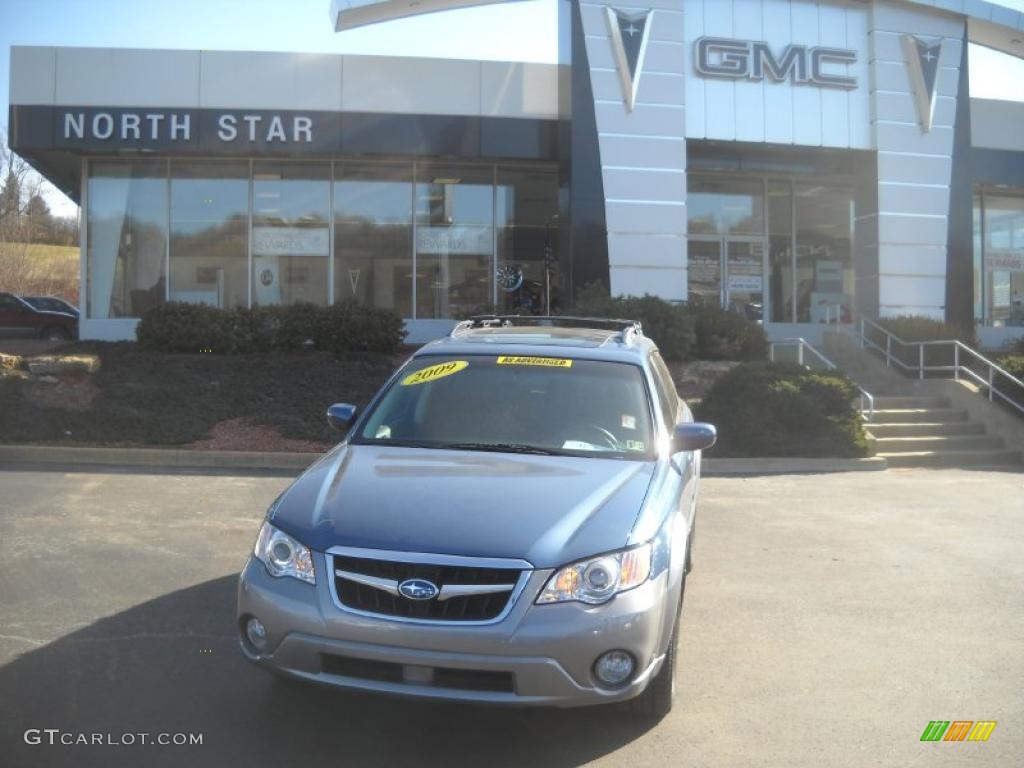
column 257, row 633
column 614, row 668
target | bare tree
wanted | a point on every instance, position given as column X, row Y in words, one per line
column 24, row 266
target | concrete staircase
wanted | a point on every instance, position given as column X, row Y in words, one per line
column 924, row 431
column 912, row 428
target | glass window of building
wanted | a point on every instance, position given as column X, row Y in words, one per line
column 209, row 233
column 781, row 283
column 1002, row 241
column 454, row 240
column 723, row 205
column 290, row 233
column 704, row 271
column 126, row 252
column 373, row 235
column 824, row 252
column 526, row 218
column 979, row 294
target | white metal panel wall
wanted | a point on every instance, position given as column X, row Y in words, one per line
column 230, row 79
column 117, row 77
column 778, row 113
column 33, row 75
column 997, row 124
column 913, row 166
column 124, row 77
column 643, row 153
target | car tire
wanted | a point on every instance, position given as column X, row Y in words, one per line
column 54, row 333
column 657, row 699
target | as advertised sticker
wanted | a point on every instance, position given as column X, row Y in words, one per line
column 434, row 372
column 545, row 362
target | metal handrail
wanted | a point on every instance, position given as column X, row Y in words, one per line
column 801, row 344
column 957, row 367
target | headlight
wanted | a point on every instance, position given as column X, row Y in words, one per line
column 283, row 555
column 599, row 579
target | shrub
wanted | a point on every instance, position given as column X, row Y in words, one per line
column 182, row 327
column 919, row 328
column 780, row 409
column 682, row 332
column 670, row 326
column 343, row 328
column 913, row 328
column 724, row 335
column 349, row 327
column 1012, row 364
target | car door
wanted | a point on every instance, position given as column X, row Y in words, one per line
column 16, row 319
column 674, row 411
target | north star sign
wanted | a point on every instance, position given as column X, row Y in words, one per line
column 157, row 126
column 754, row 60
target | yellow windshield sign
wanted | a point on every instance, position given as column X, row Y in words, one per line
column 546, row 362
column 434, row 372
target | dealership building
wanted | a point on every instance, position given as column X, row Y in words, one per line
column 793, row 160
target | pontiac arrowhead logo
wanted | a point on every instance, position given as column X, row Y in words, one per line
column 923, row 65
column 629, row 44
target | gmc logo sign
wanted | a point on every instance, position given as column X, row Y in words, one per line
column 754, row 60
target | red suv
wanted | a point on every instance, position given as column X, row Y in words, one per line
column 20, row 320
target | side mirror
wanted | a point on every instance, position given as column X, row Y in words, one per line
column 693, row 436
column 341, row 415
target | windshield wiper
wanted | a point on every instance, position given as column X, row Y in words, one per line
column 400, row 443
column 504, row 448
column 496, row 447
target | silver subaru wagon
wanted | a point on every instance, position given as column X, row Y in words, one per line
column 509, row 521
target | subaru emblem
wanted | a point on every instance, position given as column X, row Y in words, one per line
column 418, row 589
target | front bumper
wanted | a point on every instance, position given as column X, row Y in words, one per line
column 547, row 652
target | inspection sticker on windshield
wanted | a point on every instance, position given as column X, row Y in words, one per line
column 434, row 372
column 546, row 362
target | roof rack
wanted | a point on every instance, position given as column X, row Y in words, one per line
column 626, row 328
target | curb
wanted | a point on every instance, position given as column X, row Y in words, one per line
column 157, row 457
column 788, row 466
column 296, row 462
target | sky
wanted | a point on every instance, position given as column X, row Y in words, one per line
column 514, row 31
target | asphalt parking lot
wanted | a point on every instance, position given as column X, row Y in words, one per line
column 828, row 619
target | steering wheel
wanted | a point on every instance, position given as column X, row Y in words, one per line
column 607, row 438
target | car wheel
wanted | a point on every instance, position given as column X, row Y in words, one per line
column 657, row 699
column 55, row 333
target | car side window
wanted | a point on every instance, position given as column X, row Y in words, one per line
column 10, row 304
column 667, row 396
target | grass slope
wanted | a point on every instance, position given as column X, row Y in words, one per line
column 43, row 269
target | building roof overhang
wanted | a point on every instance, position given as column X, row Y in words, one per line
column 990, row 24
column 349, row 14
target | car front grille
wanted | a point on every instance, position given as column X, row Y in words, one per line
column 380, row 598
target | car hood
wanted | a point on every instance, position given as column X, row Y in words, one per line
column 548, row 510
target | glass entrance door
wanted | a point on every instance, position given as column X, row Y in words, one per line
column 744, row 283
column 728, row 271
column 704, row 276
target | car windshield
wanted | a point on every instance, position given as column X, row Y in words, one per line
column 543, row 405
